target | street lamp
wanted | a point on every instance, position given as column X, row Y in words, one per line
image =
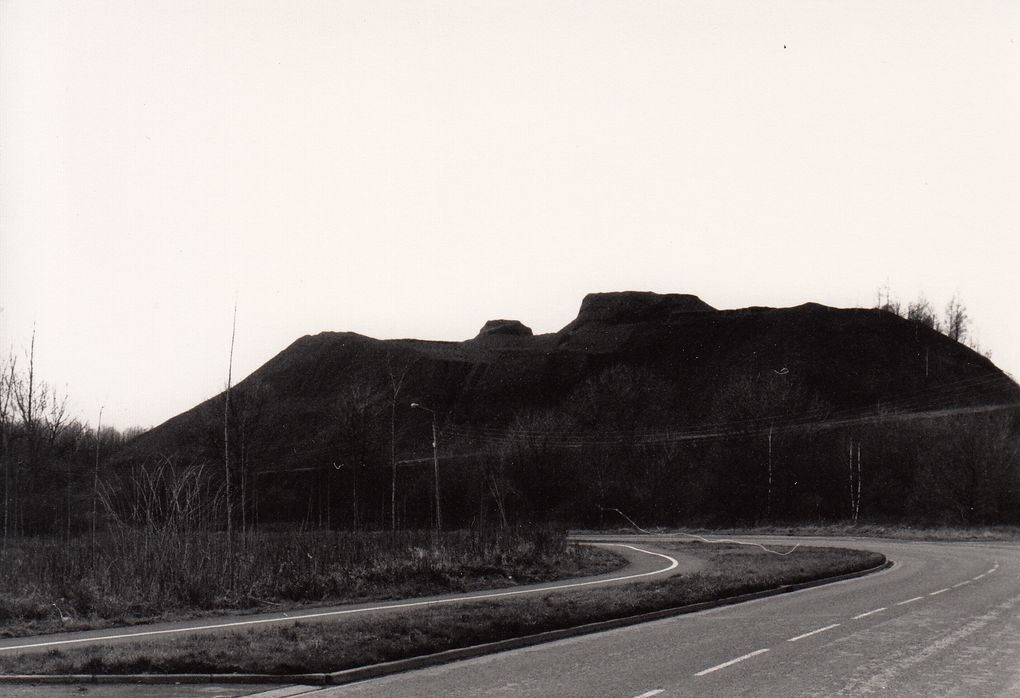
column 435, row 461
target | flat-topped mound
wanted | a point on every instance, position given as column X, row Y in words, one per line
column 635, row 306
column 506, row 328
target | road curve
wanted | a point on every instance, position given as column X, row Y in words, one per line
column 944, row 620
column 641, row 564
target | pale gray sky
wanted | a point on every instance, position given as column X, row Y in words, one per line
column 414, row 169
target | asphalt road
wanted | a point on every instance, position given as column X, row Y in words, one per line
column 943, row 621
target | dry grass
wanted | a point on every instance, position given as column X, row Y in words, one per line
column 848, row 530
column 894, row 531
column 49, row 585
column 325, row 647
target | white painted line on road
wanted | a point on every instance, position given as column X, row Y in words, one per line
column 992, row 570
column 974, row 579
column 649, row 694
column 961, row 584
column 814, row 632
column 904, row 603
column 717, row 667
column 673, row 564
column 869, row 613
column 939, row 591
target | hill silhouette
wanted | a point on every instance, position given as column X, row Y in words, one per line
column 637, row 378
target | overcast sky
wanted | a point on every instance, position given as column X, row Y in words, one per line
column 414, row 169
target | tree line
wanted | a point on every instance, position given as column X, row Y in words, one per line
column 49, row 459
column 954, row 322
column 767, row 449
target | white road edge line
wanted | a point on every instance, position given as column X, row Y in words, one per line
column 673, row 564
column 938, row 591
column 814, row 632
column 717, row 667
column 980, row 576
column 868, row 613
column 961, row 584
column 904, row 603
column 649, row 694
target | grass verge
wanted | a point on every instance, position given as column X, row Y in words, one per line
column 863, row 530
column 55, row 585
column 333, row 646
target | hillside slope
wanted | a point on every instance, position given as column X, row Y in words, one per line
column 636, row 369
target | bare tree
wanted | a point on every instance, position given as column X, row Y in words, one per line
column 356, row 413
column 855, row 479
column 922, row 311
column 226, row 456
column 887, row 302
column 397, row 374
column 755, row 404
column 956, row 319
column 95, row 479
column 249, row 412
column 31, row 397
column 7, row 373
column 500, row 485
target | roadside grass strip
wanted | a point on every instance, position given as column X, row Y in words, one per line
column 717, row 667
column 289, row 618
column 59, row 585
column 428, row 630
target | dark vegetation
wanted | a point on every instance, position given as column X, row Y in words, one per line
column 658, row 406
column 327, row 647
column 134, row 576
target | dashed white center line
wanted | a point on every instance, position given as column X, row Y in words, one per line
column 868, row 613
column 961, row 584
column 814, row 632
column 974, row 579
column 938, row 591
column 649, row 694
column 904, row 603
column 717, row 667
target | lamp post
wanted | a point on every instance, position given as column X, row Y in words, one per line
column 435, row 462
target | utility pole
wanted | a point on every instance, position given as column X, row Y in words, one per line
column 435, row 463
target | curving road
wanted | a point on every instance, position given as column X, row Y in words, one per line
column 943, row 621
